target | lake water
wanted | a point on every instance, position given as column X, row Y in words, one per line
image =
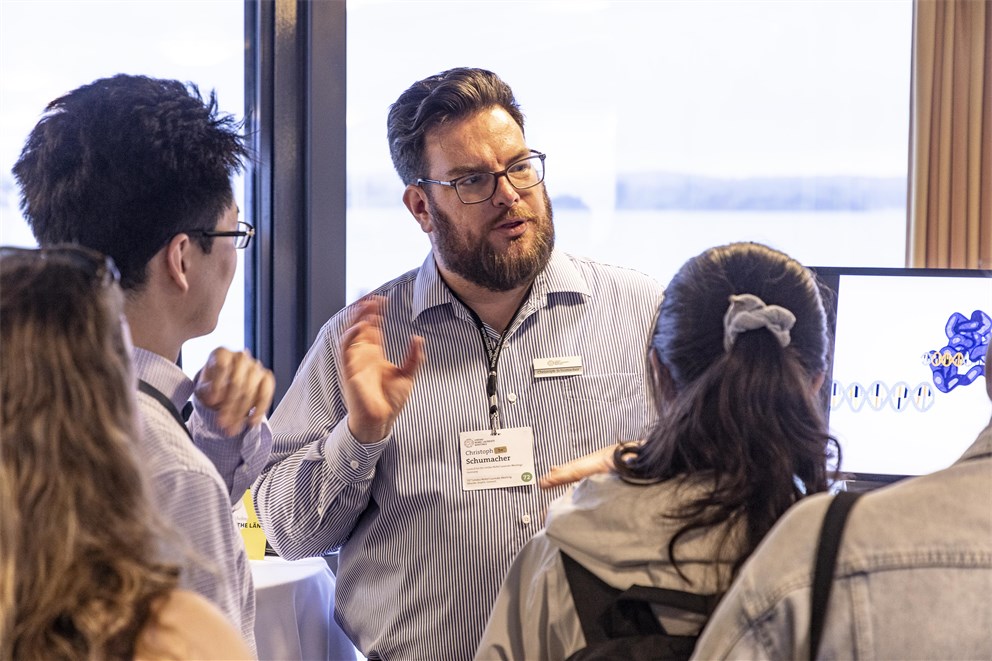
column 383, row 243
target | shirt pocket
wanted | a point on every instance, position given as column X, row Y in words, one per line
column 602, row 409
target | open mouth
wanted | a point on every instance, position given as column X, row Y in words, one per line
column 511, row 229
column 511, row 224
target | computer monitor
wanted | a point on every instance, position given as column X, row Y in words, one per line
column 905, row 390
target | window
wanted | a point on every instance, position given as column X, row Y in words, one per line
column 670, row 127
column 48, row 47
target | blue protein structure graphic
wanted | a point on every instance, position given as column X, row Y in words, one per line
column 967, row 341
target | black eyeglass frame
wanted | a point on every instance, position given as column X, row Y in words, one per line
column 245, row 231
column 100, row 267
column 495, row 175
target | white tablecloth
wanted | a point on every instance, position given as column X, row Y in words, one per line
column 294, row 612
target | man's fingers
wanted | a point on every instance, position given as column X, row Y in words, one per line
column 254, row 390
column 414, row 357
column 237, row 386
column 240, row 388
column 559, row 475
column 600, row 461
column 212, row 381
column 263, row 400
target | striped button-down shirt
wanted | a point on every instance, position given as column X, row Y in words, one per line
column 196, row 486
column 421, row 559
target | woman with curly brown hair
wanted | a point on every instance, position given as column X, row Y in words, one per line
column 81, row 575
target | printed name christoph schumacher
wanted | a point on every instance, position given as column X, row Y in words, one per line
column 483, row 460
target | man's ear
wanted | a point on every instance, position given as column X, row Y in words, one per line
column 415, row 199
column 176, row 259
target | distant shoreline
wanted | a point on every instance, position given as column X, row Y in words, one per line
column 667, row 191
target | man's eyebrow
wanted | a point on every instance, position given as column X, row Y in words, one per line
column 462, row 170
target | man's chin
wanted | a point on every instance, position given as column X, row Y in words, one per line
column 520, row 274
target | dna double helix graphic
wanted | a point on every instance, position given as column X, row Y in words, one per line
column 879, row 395
column 968, row 338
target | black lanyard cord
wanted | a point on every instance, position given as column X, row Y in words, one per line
column 166, row 403
column 492, row 354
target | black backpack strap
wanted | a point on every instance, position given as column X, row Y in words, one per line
column 826, row 559
column 591, row 596
column 703, row 604
column 606, row 612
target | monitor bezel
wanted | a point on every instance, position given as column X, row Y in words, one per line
column 828, row 279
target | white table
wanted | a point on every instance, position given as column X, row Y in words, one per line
column 294, row 612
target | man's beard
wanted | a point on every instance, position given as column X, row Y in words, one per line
column 482, row 264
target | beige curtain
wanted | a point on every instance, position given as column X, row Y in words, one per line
column 950, row 198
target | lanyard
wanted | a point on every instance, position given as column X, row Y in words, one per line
column 492, row 355
column 166, row 403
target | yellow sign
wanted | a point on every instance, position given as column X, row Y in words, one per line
column 251, row 529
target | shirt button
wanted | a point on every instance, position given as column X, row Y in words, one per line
column 354, row 464
column 511, row 397
column 525, row 519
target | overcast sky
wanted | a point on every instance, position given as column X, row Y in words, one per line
column 726, row 88
column 734, row 88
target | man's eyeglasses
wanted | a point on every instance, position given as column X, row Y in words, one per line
column 242, row 235
column 96, row 265
column 476, row 187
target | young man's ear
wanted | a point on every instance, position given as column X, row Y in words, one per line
column 415, row 199
column 176, row 260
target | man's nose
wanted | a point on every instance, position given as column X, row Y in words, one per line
column 506, row 195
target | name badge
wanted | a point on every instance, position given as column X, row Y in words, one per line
column 564, row 366
column 495, row 462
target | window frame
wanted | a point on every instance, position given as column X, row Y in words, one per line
column 295, row 185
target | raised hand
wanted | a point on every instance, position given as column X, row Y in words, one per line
column 375, row 390
column 237, row 386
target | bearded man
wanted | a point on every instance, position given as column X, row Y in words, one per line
column 524, row 357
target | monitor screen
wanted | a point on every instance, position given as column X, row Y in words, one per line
column 906, row 383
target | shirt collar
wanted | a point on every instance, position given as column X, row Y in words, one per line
column 163, row 375
column 560, row 276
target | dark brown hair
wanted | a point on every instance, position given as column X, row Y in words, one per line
column 444, row 97
column 745, row 419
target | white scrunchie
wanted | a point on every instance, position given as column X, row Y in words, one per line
column 748, row 312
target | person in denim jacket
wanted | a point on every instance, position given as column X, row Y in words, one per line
column 913, row 577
